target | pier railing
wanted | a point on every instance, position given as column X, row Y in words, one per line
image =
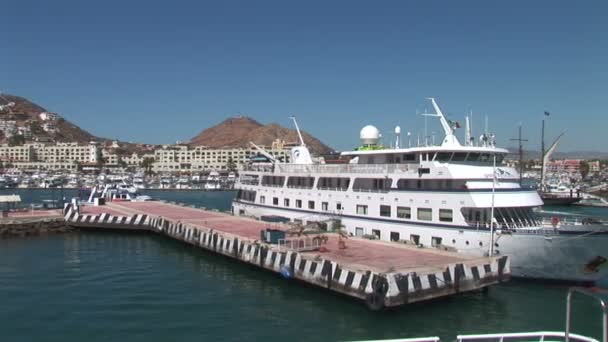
column 299, row 244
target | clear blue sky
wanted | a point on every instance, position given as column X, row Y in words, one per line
column 161, row 71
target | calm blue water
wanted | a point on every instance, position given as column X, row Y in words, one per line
column 116, row 286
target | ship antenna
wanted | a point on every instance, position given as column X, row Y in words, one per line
column 298, row 130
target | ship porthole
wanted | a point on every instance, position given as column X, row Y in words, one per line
column 480, row 243
column 454, row 241
column 467, row 243
column 496, row 244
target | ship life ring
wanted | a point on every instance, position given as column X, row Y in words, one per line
column 554, row 221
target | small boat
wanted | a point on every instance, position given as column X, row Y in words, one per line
column 592, row 201
column 560, row 194
column 213, row 181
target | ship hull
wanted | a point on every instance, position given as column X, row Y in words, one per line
column 572, row 257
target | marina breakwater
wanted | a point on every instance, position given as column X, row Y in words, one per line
column 33, row 226
column 380, row 274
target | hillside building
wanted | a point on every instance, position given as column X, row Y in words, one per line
column 169, row 158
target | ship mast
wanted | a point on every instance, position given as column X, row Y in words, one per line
column 450, row 138
column 298, row 130
column 521, row 154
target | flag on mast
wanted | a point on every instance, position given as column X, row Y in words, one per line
column 454, row 124
column 547, row 113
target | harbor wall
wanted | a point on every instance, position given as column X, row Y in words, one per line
column 376, row 289
column 33, row 227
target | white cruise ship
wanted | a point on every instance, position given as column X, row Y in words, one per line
column 441, row 196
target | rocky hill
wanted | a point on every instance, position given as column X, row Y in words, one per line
column 21, row 121
column 24, row 121
column 239, row 131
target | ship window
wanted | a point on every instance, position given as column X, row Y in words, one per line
column 385, row 210
column 445, row 215
column 424, row 171
column 361, row 209
column 473, row 156
column 359, row 231
column 425, row 214
column 311, row 204
column 246, row 195
column 277, row 181
column 409, row 157
column 372, row 184
column 300, row 182
column 435, row 241
column 415, row 239
column 394, row 236
column 338, row 206
column 262, row 199
column 376, row 233
column 459, row 157
column 333, row 183
column 404, row 212
column 286, row 202
column 324, row 206
column 275, row 201
column 298, row 203
column 443, row 156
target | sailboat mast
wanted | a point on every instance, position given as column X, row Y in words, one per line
column 521, row 154
column 542, row 154
column 492, row 208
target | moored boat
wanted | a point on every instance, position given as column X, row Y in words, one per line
column 448, row 196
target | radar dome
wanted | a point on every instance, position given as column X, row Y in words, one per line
column 369, row 135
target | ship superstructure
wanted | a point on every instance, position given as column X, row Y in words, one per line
column 443, row 196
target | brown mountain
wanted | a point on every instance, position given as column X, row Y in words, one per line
column 26, row 116
column 239, row 131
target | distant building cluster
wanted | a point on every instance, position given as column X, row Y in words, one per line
column 572, row 166
column 168, row 158
column 48, row 123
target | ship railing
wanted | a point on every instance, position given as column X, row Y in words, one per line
column 332, row 188
column 250, row 181
column 299, row 244
column 273, row 185
column 299, row 187
column 346, row 168
column 258, row 168
column 540, row 336
column 370, row 190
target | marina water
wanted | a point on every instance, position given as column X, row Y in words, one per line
column 116, row 286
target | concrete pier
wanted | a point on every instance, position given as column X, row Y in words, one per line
column 32, row 223
column 382, row 274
